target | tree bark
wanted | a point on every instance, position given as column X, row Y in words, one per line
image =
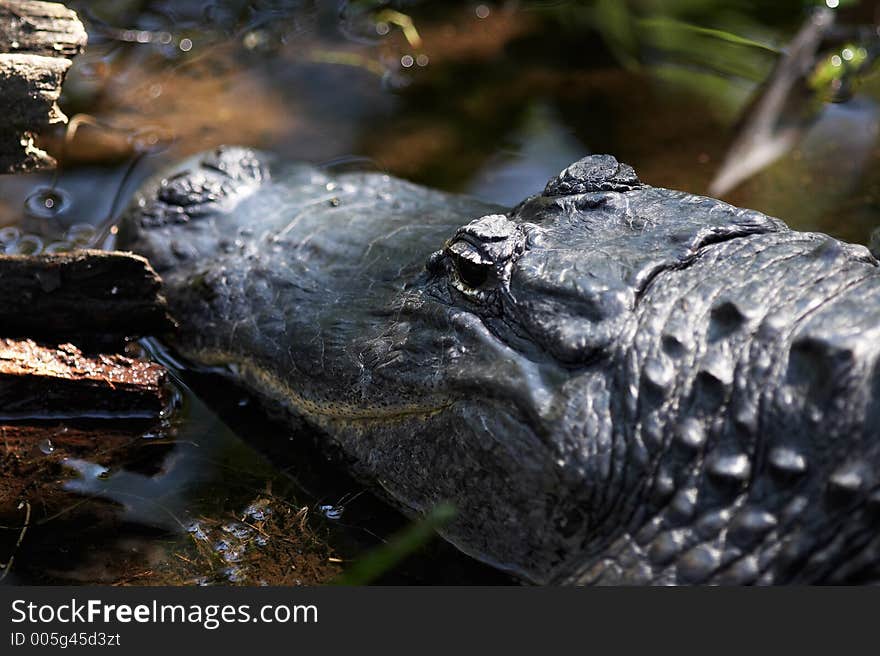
column 37, row 42
column 48, row 381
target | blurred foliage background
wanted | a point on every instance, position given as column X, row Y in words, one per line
column 488, row 98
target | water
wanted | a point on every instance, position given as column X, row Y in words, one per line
column 490, row 99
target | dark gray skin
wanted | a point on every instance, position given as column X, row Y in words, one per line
column 613, row 383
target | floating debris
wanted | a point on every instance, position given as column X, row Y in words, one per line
column 269, row 545
column 258, row 511
column 195, row 529
column 332, row 512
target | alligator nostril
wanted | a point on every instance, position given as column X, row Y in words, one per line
column 593, row 173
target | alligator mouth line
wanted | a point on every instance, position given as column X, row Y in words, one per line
column 276, row 390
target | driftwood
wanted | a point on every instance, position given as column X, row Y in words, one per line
column 37, row 380
column 37, row 42
column 92, row 298
column 67, row 295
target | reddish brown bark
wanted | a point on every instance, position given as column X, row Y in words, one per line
column 38, row 380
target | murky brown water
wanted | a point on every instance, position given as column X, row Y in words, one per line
column 490, row 99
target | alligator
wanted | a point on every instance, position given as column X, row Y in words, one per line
column 613, row 383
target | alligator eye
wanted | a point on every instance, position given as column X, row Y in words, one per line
column 471, row 273
column 471, row 268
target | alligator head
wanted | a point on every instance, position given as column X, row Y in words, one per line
column 611, row 382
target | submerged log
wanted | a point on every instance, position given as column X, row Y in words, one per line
column 66, row 295
column 61, row 381
column 37, row 40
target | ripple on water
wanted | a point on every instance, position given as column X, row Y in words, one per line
column 47, row 203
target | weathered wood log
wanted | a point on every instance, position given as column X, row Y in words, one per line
column 82, row 293
column 61, row 381
column 40, row 28
column 37, row 40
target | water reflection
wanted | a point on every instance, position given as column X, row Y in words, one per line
column 536, row 152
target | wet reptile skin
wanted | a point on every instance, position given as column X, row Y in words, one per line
column 613, row 383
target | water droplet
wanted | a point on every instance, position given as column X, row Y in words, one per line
column 29, row 245
column 482, row 11
column 255, row 39
column 9, row 233
column 47, row 203
column 46, row 446
column 186, row 45
column 8, row 238
column 407, row 61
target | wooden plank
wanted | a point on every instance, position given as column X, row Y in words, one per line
column 81, row 293
column 37, row 40
column 38, row 380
